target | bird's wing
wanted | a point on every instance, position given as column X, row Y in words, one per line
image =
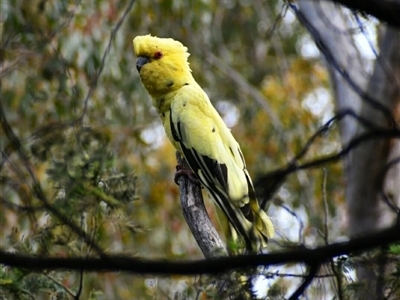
column 207, row 143
column 212, row 154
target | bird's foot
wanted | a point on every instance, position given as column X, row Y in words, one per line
column 184, row 170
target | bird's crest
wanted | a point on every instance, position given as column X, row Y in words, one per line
column 155, row 47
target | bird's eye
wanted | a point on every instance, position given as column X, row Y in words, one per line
column 158, row 55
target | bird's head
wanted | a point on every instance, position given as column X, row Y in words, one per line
column 162, row 64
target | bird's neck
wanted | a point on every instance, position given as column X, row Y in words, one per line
column 163, row 102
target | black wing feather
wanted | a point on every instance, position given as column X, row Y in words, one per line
column 214, row 176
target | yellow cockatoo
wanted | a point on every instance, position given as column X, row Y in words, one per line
column 196, row 130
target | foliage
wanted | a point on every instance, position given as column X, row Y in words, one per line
column 94, row 147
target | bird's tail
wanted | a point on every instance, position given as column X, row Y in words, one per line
column 254, row 227
column 262, row 228
column 249, row 221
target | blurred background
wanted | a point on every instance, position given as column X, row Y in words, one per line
column 73, row 99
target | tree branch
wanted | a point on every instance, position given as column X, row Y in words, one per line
column 267, row 184
column 96, row 77
column 118, row 263
column 333, row 61
column 36, row 187
column 384, row 10
column 197, row 218
column 306, row 282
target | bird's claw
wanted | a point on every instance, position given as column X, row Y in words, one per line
column 183, row 170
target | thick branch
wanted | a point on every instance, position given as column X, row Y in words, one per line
column 116, row 263
column 197, row 218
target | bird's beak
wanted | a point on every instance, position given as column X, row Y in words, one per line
column 141, row 61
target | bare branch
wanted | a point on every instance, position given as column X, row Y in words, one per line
column 197, row 218
column 333, row 61
column 307, row 281
column 393, row 206
column 246, row 87
column 95, row 80
column 267, row 184
column 118, row 263
column 36, row 187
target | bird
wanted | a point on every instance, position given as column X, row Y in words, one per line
column 198, row 132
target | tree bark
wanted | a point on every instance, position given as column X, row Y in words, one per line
column 367, row 181
column 365, row 167
column 197, row 218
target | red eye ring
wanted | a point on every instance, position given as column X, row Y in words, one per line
column 158, row 55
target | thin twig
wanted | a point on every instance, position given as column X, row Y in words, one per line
column 307, row 281
column 281, row 174
column 326, row 236
column 95, row 79
column 324, row 198
column 60, row 285
column 246, row 87
column 392, row 205
column 36, row 187
column 283, row 275
column 270, row 182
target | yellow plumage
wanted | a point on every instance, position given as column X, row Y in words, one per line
column 196, row 130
